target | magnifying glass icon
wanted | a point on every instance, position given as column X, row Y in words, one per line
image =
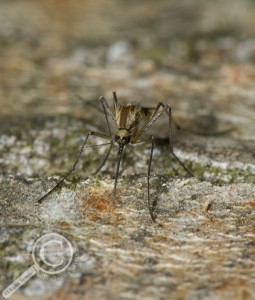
column 52, row 254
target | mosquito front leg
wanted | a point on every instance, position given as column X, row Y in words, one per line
column 115, row 99
column 105, row 108
column 75, row 162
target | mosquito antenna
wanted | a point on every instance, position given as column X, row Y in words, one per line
column 121, row 147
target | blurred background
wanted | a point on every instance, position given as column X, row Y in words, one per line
column 197, row 56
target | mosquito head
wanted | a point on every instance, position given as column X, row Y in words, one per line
column 122, row 137
column 122, row 140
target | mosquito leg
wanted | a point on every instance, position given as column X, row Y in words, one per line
column 133, row 152
column 107, row 111
column 75, row 163
column 169, row 111
column 104, row 161
column 105, row 107
column 108, row 126
column 115, row 98
column 157, row 112
column 150, row 207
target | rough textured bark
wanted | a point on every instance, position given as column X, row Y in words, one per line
column 196, row 56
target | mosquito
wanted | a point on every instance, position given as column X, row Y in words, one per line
column 132, row 122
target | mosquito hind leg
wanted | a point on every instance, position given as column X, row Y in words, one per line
column 75, row 163
column 169, row 112
column 150, row 206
